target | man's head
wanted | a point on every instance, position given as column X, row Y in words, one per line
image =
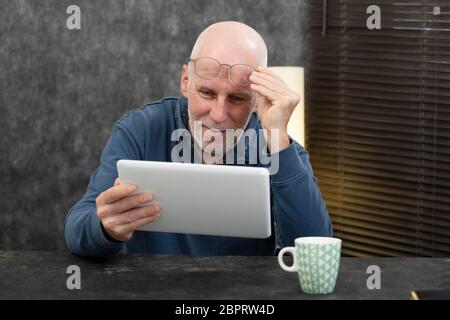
column 222, row 102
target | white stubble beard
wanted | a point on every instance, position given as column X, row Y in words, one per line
column 196, row 131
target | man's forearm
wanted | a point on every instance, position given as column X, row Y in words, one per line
column 297, row 203
column 84, row 235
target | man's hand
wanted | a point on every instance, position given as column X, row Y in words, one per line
column 275, row 105
column 118, row 211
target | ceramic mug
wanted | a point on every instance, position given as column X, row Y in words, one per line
column 316, row 260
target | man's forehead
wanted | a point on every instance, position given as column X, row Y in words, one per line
column 230, row 55
column 232, row 60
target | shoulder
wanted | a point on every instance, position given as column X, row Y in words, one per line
column 151, row 113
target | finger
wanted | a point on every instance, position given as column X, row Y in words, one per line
column 261, row 79
column 131, row 202
column 137, row 214
column 116, row 193
column 117, row 182
column 270, row 78
column 269, row 94
column 268, row 71
column 135, row 225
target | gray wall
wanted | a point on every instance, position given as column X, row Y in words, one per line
column 62, row 90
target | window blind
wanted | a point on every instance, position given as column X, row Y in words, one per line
column 378, row 124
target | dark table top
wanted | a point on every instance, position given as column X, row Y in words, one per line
column 42, row 275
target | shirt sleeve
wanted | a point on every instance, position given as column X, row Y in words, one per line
column 297, row 204
column 83, row 231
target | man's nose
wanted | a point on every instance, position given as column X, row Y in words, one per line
column 224, row 72
column 218, row 112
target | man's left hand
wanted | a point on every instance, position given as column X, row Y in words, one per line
column 275, row 105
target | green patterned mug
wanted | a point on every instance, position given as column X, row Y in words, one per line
column 316, row 259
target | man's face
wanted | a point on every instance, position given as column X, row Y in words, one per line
column 218, row 103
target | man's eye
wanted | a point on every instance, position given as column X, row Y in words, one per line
column 206, row 93
column 236, row 99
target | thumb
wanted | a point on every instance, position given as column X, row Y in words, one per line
column 117, row 182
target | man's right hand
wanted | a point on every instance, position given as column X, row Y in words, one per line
column 118, row 211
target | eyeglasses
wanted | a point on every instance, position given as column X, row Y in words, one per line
column 209, row 68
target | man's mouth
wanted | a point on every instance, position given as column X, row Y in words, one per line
column 213, row 130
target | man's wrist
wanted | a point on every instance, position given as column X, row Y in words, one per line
column 277, row 140
column 107, row 235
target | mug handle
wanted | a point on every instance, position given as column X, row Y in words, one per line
column 292, row 268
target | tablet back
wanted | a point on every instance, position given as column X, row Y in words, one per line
column 204, row 199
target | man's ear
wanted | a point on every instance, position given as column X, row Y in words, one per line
column 184, row 80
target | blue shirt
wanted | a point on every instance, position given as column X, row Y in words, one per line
column 297, row 207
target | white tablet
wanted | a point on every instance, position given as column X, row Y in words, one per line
column 204, row 199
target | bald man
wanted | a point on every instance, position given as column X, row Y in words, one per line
column 225, row 86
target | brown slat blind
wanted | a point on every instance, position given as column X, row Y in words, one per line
column 378, row 124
